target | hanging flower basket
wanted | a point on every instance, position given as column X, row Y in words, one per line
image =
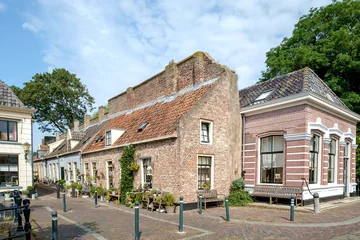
column 134, row 166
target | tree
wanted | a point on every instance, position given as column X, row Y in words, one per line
column 328, row 41
column 58, row 97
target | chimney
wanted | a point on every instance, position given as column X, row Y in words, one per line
column 57, row 136
column 43, row 141
column 172, row 78
column 101, row 113
column 76, row 125
column 199, row 68
column 86, row 120
column 130, row 98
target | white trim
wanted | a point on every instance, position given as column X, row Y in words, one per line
column 294, row 181
column 297, row 160
column 294, row 174
column 298, row 153
column 249, row 144
column 297, row 167
column 253, row 150
column 298, row 136
column 249, row 156
column 299, row 146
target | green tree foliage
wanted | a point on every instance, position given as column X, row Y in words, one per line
column 328, row 41
column 58, row 97
column 127, row 177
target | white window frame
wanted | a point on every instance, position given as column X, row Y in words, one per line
column 108, row 143
column 335, row 161
column 210, row 132
column 320, row 158
column 212, row 172
column 142, row 170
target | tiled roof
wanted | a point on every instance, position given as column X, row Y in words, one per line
column 62, row 148
column 162, row 118
column 77, row 135
column 8, row 98
column 303, row 80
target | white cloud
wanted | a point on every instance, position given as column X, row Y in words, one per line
column 2, row 7
column 116, row 44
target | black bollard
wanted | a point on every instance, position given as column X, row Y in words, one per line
column 292, row 208
column 19, row 218
column 58, row 191
column 64, row 201
column 73, row 191
column 96, row 198
column 137, row 234
column 26, row 202
column 181, row 214
column 54, row 225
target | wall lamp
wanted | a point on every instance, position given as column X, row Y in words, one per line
column 26, row 150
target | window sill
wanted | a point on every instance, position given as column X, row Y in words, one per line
column 205, row 143
column 10, row 142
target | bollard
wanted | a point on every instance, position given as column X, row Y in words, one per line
column 227, row 209
column 19, row 218
column 181, row 217
column 16, row 196
column 12, row 205
column 57, row 191
column 64, row 201
column 316, row 203
column 54, row 225
column 292, row 208
column 73, row 191
column 96, row 198
column 200, row 204
column 137, row 235
column 27, row 225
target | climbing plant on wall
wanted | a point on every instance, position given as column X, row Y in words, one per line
column 127, row 177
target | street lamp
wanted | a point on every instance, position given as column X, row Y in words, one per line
column 26, row 150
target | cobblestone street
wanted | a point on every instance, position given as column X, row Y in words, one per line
column 109, row 221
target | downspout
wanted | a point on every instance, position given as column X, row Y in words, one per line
column 243, row 146
column 32, row 155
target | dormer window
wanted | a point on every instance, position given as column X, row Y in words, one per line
column 108, row 138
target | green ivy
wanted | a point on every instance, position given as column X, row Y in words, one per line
column 127, row 177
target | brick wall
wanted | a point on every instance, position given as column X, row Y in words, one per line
column 197, row 68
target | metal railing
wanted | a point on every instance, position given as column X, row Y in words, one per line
column 21, row 214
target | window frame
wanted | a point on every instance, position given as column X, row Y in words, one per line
column 8, row 132
column 108, row 138
column 209, row 132
column 10, row 164
column 334, row 160
column 317, row 168
column 212, row 170
column 272, row 152
column 144, row 174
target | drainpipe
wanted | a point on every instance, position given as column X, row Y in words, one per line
column 32, row 156
column 243, row 146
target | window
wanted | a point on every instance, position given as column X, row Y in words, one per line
column 110, row 183
column 94, row 171
column 346, row 161
column 272, row 159
column 263, row 96
column 332, row 157
column 143, row 126
column 147, row 172
column 314, row 159
column 8, row 131
column 108, row 138
column 9, row 169
column 205, row 132
column 204, row 171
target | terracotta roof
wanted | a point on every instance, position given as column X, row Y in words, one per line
column 162, row 118
column 303, row 80
column 8, row 98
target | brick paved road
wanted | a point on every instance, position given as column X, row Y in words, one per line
column 110, row 221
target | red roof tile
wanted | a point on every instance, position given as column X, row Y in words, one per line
column 162, row 118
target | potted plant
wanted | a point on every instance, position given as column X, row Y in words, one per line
column 134, row 166
column 32, row 191
column 101, row 192
column 154, row 192
column 169, row 200
column 62, row 183
column 25, row 192
column 7, row 195
column 206, row 185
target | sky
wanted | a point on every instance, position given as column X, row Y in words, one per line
column 112, row 45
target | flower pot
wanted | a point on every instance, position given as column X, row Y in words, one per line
column 169, row 209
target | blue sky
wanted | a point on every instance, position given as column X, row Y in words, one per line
column 112, row 45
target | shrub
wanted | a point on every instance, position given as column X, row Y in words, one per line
column 30, row 188
column 25, row 192
column 100, row 191
column 239, row 198
column 237, row 184
column 168, row 199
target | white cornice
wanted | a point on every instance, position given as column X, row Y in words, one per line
column 299, row 136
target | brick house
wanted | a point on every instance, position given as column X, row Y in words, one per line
column 15, row 134
column 296, row 128
column 184, row 123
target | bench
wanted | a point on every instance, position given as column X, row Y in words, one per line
column 279, row 192
column 210, row 196
column 115, row 196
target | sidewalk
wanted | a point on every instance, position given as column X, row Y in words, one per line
column 109, row 221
